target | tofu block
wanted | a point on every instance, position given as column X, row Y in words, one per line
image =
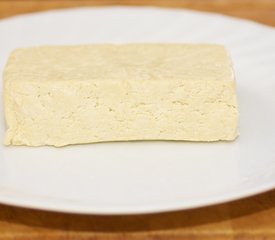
column 61, row 95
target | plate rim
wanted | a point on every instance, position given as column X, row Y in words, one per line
column 162, row 208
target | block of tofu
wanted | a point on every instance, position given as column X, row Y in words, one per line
column 61, row 95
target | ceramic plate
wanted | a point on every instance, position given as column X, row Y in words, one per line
column 143, row 177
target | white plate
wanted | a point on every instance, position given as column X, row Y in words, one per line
column 143, row 177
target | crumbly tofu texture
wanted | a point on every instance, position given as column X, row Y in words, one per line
column 61, row 95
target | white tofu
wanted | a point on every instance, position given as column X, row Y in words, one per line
column 60, row 95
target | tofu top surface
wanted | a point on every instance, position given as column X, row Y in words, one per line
column 130, row 62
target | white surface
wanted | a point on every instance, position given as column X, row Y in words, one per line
column 141, row 177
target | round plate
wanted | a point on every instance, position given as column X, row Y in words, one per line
column 143, row 177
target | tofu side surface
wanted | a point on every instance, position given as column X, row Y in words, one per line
column 61, row 95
